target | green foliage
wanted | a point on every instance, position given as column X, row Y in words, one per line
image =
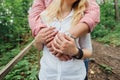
column 13, row 22
column 100, row 31
column 108, row 30
column 13, row 32
column 107, row 15
column 106, row 68
column 26, row 69
column 113, row 37
column 6, row 57
column 23, row 70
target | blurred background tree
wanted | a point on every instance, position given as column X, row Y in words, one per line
column 13, row 23
column 14, row 33
column 108, row 30
column 117, row 15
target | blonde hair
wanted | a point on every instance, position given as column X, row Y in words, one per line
column 54, row 9
column 79, row 8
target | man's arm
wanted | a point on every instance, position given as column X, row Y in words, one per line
column 86, row 24
column 34, row 16
column 89, row 21
column 92, row 15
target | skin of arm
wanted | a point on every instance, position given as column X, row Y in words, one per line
column 89, row 21
column 87, row 53
column 79, row 30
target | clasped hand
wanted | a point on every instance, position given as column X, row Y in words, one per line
column 59, row 44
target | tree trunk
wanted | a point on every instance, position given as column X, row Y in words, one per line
column 104, row 1
column 117, row 16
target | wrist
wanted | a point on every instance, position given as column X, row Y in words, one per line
column 37, row 45
column 37, row 41
column 76, row 52
column 79, row 54
column 70, row 35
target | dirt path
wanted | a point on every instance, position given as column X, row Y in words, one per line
column 105, row 63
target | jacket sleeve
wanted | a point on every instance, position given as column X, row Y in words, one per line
column 92, row 14
column 34, row 19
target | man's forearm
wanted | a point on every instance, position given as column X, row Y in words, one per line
column 34, row 16
column 79, row 30
column 92, row 15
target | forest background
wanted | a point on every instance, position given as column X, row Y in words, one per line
column 15, row 34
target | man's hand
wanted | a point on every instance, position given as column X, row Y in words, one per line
column 60, row 56
column 45, row 35
column 64, row 45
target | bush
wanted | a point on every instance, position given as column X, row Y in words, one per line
column 107, row 30
column 13, row 22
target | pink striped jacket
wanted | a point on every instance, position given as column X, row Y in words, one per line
column 92, row 15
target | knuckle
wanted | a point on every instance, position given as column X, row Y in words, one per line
column 65, row 42
column 54, row 43
column 45, row 38
column 62, row 49
column 64, row 46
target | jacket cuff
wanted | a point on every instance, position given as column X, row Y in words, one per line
column 36, row 29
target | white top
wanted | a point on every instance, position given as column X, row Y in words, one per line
column 54, row 69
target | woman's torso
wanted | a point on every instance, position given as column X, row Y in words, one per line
column 52, row 67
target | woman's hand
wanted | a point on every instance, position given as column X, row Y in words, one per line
column 64, row 45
